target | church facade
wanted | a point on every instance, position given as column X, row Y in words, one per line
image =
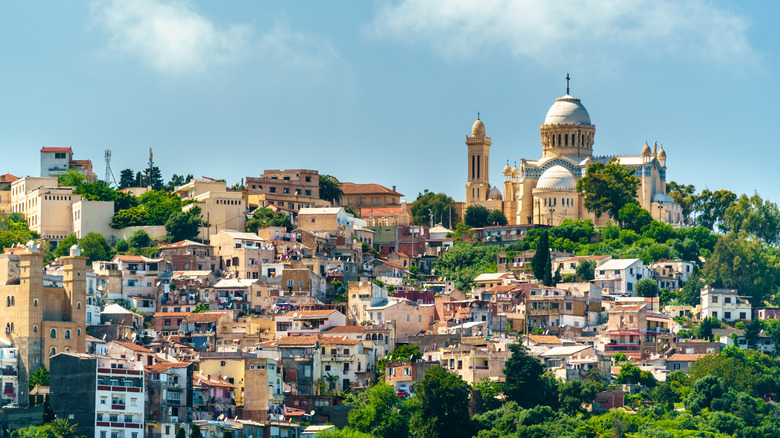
column 543, row 191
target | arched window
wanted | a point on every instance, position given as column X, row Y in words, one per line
column 78, row 332
column 7, row 328
column 7, row 301
column 565, row 139
column 35, row 329
column 380, row 336
column 67, row 334
column 53, row 333
column 368, row 337
column 78, row 305
column 13, row 301
column 12, row 327
column 373, row 337
column 559, row 139
column 53, row 351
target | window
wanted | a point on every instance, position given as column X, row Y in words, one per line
column 714, row 298
column 35, row 329
column 742, row 315
column 327, row 367
column 727, row 315
column 35, row 302
column 727, row 300
column 53, row 333
column 53, row 351
column 67, row 334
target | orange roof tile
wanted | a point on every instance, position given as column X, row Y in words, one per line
column 682, row 357
column 134, row 347
column 170, row 314
column 337, row 340
column 160, row 367
column 50, row 149
column 7, row 178
column 545, row 339
column 304, row 313
column 364, row 189
column 297, row 340
column 206, row 316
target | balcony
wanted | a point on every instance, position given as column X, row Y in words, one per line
column 8, row 372
column 173, row 402
column 338, row 358
column 117, row 407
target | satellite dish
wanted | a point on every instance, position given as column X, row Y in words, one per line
column 311, row 414
column 221, row 417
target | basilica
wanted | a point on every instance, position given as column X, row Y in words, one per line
column 543, row 191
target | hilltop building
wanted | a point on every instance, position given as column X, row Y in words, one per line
column 543, row 191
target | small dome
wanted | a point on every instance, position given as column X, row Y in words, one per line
column 478, row 129
column 557, row 177
column 661, row 154
column 567, row 109
column 662, row 198
column 516, row 172
column 75, row 251
column 507, row 170
column 495, row 194
column 646, row 150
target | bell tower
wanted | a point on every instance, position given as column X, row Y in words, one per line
column 477, row 162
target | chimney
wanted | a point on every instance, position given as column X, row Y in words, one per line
column 394, row 188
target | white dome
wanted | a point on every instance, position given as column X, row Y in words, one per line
column 557, row 178
column 567, row 109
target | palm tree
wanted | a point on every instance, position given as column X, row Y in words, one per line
column 61, row 427
column 330, row 189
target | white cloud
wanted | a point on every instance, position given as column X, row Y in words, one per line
column 173, row 38
column 547, row 31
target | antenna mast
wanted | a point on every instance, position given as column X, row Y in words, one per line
column 109, row 173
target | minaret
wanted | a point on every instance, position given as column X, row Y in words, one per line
column 478, row 159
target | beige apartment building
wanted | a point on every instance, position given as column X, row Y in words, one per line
column 221, row 208
column 291, row 189
column 242, row 254
column 363, row 196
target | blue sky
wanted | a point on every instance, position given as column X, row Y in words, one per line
column 385, row 91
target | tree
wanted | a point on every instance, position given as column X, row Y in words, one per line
column 586, row 270
column 630, row 373
column 647, row 287
column 61, row 428
column 154, row 173
column 684, row 196
column 330, row 189
column 124, row 200
column 755, row 217
column 195, row 431
column 378, row 411
column 523, row 373
column 127, row 179
column 40, row 377
column 184, row 225
column 177, row 181
column 476, row 216
column 704, row 329
column 159, row 206
column 634, row 217
column 95, row 247
column 139, row 239
column 489, row 392
column 14, row 229
column 441, row 205
column 72, row 178
column 548, row 277
column 265, row 217
column 405, row 353
column 608, row 187
column 444, row 405
column 539, row 263
column 201, row 307
column 572, row 395
column 122, row 246
column 741, row 264
column 496, row 217
column 711, row 207
column 181, row 433
column 64, row 246
column 130, row 217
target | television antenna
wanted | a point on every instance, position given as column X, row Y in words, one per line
column 109, row 172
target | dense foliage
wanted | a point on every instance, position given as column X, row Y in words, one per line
column 440, row 205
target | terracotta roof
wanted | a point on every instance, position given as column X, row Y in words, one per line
column 305, row 313
column 297, row 340
column 182, row 244
column 545, row 339
column 681, row 357
column 7, row 178
column 593, row 257
column 391, row 264
column 626, row 307
column 354, row 328
column 337, row 340
column 170, row 314
column 206, row 316
column 45, row 149
column 201, row 380
column 365, row 189
column 129, row 258
column 134, row 347
column 160, row 367
column 381, row 211
column 505, row 288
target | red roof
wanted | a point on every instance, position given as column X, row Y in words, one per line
column 170, row 314
column 160, row 367
column 297, row 340
column 366, row 189
column 45, row 149
column 129, row 258
column 681, row 357
column 134, row 347
column 7, row 178
column 181, row 244
column 201, row 380
column 206, row 316
column 337, row 340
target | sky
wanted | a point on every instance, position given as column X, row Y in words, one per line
column 386, row 92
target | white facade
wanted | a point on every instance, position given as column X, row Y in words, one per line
column 93, row 299
column 725, row 304
column 92, row 217
column 55, row 162
column 9, row 372
column 120, row 399
column 620, row 276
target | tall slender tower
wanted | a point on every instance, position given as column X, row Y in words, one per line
column 478, row 158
